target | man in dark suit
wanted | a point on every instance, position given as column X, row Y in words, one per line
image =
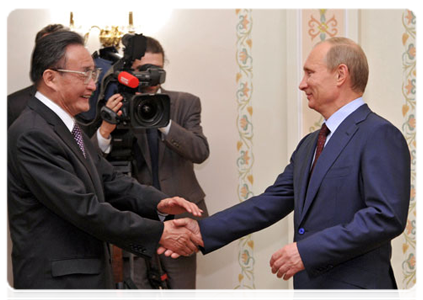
column 65, row 201
column 165, row 159
column 16, row 102
column 349, row 199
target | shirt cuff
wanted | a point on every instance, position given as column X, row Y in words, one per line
column 104, row 144
column 162, row 216
column 165, row 130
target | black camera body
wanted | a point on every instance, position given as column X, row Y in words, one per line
column 139, row 110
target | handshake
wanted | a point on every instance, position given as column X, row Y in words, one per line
column 180, row 237
column 183, row 236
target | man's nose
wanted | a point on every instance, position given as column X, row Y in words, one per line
column 92, row 85
column 303, row 84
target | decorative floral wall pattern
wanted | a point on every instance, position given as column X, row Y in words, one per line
column 245, row 161
column 409, row 131
column 322, row 27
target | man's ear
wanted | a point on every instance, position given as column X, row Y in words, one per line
column 50, row 79
column 342, row 73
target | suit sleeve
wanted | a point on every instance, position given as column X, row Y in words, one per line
column 385, row 185
column 48, row 172
column 16, row 103
column 250, row 215
column 11, row 116
column 187, row 138
column 126, row 194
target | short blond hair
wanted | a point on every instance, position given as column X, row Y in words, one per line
column 347, row 52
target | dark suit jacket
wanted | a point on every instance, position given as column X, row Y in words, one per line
column 64, row 209
column 17, row 102
column 355, row 203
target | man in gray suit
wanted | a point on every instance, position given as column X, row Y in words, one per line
column 165, row 159
column 65, row 201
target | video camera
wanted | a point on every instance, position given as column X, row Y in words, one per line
column 138, row 110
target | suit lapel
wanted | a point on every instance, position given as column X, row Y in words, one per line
column 331, row 152
column 301, row 178
column 162, row 145
column 57, row 124
column 63, row 132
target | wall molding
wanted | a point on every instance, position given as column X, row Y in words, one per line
column 409, row 131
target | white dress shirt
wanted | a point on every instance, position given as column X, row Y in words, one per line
column 60, row 112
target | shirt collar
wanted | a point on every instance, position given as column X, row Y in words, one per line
column 341, row 114
column 60, row 112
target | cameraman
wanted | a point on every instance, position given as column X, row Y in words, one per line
column 165, row 159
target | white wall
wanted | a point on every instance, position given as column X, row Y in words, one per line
column 22, row 26
column 381, row 31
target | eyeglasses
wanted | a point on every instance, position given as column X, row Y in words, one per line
column 90, row 74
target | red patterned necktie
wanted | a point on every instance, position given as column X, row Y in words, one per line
column 77, row 135
column 324, row 131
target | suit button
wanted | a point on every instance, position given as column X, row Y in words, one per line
column 301, row 231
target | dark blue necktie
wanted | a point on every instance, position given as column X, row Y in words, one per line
column 153, row 145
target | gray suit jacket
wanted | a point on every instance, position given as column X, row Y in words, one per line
column 184, row 145
column 65, row 209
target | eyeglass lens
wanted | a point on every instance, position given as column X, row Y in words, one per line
column 93, row 74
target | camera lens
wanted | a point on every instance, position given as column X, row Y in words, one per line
column 150, row 111
column 147, row 110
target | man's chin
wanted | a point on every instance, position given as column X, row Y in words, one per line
column 87, row 108
column 84, row 108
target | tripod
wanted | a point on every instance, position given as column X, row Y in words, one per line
column 157, row 278
column 127, row 288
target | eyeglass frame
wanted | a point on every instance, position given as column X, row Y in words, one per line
column 96, row 71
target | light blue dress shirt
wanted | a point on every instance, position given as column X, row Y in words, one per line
column 340, row 115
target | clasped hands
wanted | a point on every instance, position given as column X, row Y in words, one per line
column 179, row 236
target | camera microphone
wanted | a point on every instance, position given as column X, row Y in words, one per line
column 128, row 79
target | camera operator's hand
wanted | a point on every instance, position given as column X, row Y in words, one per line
column 179, row 240
column 114, row 103
column 178, row 205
